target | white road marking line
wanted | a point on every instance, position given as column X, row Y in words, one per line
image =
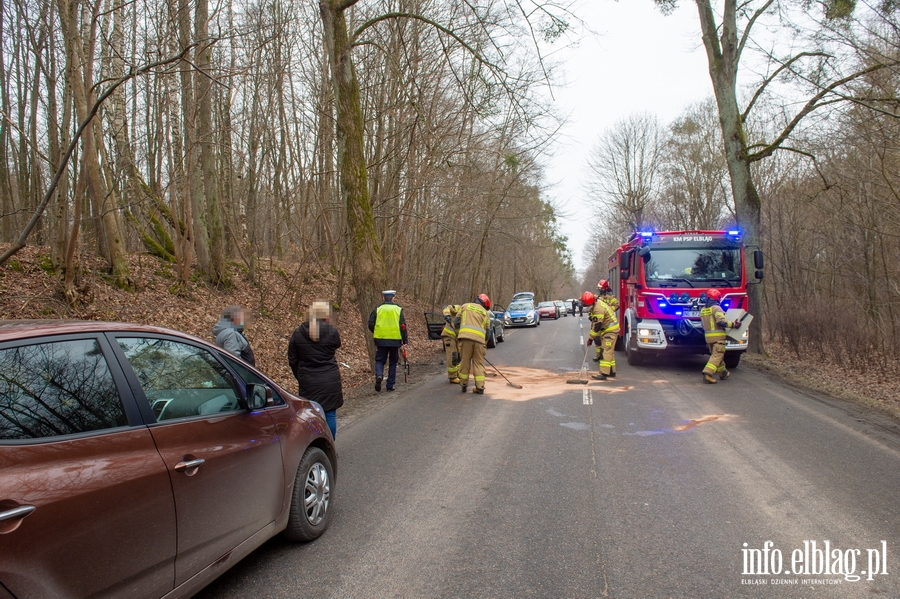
column 586, row 397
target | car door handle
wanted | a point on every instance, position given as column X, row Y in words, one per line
column 15, row 513
column 188, row 465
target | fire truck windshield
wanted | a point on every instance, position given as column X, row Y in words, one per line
column 694, row 267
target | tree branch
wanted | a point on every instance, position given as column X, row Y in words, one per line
column 772, row 77
column 814, row 103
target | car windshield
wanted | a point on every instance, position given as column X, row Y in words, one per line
column 546, row 305
column 519, row 306
column 684, row 267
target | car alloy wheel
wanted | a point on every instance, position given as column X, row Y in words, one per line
column 311, row 510
column 317, row 494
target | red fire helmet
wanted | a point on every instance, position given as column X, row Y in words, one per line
column 587, row 298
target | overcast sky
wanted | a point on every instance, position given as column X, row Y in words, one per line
column 641, row 61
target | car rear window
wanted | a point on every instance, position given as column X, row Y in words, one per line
column 57, row 388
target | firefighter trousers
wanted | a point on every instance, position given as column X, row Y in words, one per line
column 606, row 351
column 450, row 348
column 715, row 364
column 472, row 354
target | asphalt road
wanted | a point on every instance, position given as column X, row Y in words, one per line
column 649, row 485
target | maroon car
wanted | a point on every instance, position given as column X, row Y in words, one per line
column 548, row 310
column 142, row 462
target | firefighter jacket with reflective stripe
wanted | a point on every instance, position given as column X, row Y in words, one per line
column 609, row 300
column 474, row 321
column 714, row 323
column 388, row 325
column 450, row 313
column 604, row 319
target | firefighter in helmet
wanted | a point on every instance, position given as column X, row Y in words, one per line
column 448, row 336
column 604, row 294
column 714, row 325
column 604, row 332
column 473, row 321
column 596, row 311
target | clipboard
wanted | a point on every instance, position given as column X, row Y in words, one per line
column 735, row 314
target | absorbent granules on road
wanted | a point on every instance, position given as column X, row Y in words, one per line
column 537, row 382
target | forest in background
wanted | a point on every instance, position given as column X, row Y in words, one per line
column 206, row 134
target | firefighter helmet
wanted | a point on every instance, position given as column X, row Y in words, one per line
column 587, row 298
column 603, row 286
column 484, row 300
column 714, row 294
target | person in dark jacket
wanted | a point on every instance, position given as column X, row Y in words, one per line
column 229, row 332
column 311, row 356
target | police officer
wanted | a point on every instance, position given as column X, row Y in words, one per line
column 604, row 332
column 714, row 325
column 388, row 327
column 451, row 348
column 474, row 321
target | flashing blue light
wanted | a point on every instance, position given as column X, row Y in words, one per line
column 662, row 304
column 646, row 233
column 734, row 232
column 679, row 313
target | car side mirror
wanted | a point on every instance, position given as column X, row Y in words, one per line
column 258, row 396
column 759, row 274
column 758, row 261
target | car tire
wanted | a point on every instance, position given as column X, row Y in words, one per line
column 501, row 338
column 311, row 506
column 491, row 342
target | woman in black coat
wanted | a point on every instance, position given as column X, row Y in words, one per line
column 311, row 356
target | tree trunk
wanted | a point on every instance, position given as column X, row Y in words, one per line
column 723, row 65
column 369, row 273
column 78, row 70
column 212, row 211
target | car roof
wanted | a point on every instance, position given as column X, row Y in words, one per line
column 27, row 329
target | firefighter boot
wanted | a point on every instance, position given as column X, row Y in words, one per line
column 462, row 388
column 724, row 375
column 709, row 379
column 478, row 391
column 454, row 381
column 599, row 377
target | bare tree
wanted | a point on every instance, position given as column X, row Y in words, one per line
column 626, row 168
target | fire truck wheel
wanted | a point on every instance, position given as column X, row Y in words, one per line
column 631, row 352
column 732, row 359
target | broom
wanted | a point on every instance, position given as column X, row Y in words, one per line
column 508, row 382
column 581, row 372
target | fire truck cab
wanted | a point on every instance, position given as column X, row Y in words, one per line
column 661, row 280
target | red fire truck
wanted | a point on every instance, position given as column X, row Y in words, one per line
column 661, row 280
